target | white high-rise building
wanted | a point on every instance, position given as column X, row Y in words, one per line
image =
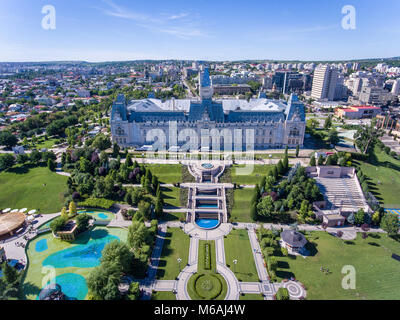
column 396, row 87
column 324, row 83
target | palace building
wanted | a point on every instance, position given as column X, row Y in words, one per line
column 208, row 124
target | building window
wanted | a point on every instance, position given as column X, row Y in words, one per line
column 120, row 131
column 294, row 132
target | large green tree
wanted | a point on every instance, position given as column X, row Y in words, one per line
column 6, row 161
column 390, row 223
column 366, row 136
column 119, row 253
column 8, row 139
column 103, row 281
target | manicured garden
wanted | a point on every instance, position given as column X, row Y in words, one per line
column 166, row 173
column 171, row 197
column 176, row 245
column 258, row 171
column 206, row 284
column 237, row 247
column 249, row 296
column 383, row 172
column 33, row 188
column 163, row 295
column 377, row 275
column 241, row 207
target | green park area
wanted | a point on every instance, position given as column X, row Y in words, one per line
column 206, row 284
column 241, row 207
column 163, row 295
column 166, row 173
column 383, row 172
column 33, row 188
column 250, row 174
column 377, row 276
column 249, row 296
column 237, row 247
column 176, row 245
column 171, row 197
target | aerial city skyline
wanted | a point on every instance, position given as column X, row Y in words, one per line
column 204, row 151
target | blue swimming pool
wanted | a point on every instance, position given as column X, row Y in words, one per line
column 72, row 285
column 207, row 223
column 81, row 256
column 41, row 245
column 207, row 165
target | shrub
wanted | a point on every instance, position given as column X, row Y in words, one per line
column 207, row 256
column 82, row 221
column 282, row 294
column 58, row 224
column 97, row 203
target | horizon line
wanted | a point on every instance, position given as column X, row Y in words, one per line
column 202, row 60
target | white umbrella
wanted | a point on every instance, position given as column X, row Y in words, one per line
column 23, row 210
column 7, row 210
column 32, row 212
column 30, row 218
column 15, row 211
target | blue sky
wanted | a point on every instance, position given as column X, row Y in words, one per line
column 109, row 30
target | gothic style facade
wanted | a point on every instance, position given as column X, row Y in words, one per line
column 208, row 124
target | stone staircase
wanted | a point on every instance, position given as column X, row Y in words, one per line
column 343, row 193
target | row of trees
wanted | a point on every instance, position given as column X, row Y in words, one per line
column 35, row 158
column 342, row 159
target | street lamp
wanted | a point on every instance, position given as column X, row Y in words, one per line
column 234, row 265
column 179, row 262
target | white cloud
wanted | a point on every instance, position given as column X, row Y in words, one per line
column 173, row 24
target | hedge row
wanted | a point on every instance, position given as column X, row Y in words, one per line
column 97, row 203
column 207, row 256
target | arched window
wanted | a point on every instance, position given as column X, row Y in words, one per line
column 120, row 131
column 294, row 132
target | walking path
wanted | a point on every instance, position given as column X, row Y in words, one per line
column 258, row 259
column 149, row 281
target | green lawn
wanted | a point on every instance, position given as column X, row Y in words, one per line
column 241, row 207
column 171, row 197
column 384, row 177
column 208, row 273
column 47, row 144
column 166, row 173
column 32, row 188
column 237, row 247
column 172, row 216
column 377, row 274
column 249, row 296
column 163, row 295
column 249, row 178
column 176, row 245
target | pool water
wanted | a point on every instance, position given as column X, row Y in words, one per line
column 207, row 206
column 72, row 285
column 81, row 256
column 102, row 215
column 207, row 166
column 73, row 262
column 41, row 245
column 207, row 223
